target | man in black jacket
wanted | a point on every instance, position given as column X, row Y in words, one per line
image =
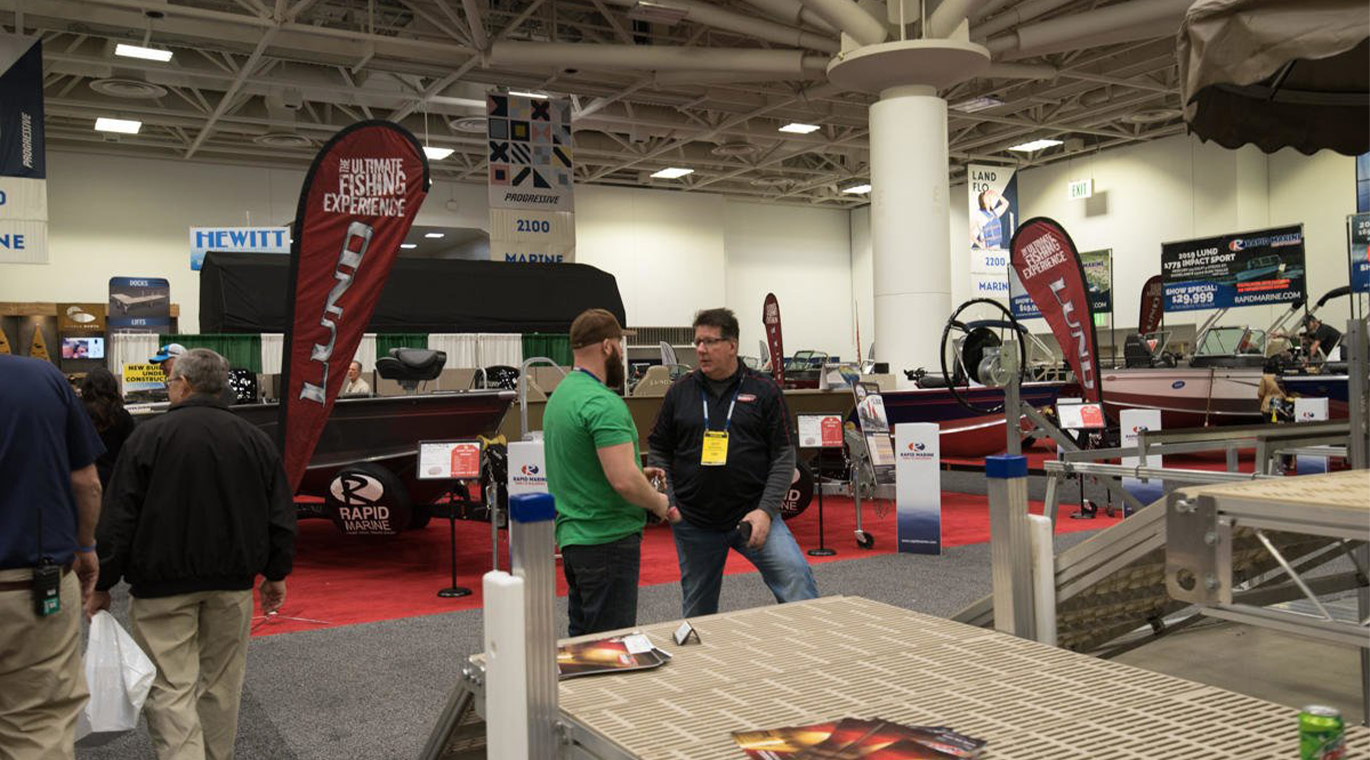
column 197, row 507
column 723, row 438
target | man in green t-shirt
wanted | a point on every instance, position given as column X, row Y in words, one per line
column 594, row 472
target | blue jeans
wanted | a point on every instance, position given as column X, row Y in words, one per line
column 602, row 581
column 702, row 553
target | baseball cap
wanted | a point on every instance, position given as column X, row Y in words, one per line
column 593, row 326
column 169, row 351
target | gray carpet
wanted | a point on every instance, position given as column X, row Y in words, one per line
column 373, row 691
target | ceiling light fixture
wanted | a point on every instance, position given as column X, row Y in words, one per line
column 672, row 172
column 1035, row 145
column 437, row 154
column 138, row 51
column 657, row 13
column 433, row 235
column 122, row 126
column 858, row 189
column 409, row 246
column 528, row 94
column 799, row 128
column 982, row 103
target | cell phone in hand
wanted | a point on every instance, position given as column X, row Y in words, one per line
column 743, row 532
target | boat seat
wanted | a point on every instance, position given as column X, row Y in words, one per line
column 411, row 366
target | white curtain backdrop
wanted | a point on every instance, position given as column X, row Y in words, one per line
column 129, row 348
column 499, row 348
column 274, row 343
column 461, row 348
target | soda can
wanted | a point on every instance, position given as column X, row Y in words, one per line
column 1321, row 734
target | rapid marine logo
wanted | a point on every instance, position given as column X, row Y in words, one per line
column 355, row 243
column 359, row 500
column 1077, row 331
column 530, row 470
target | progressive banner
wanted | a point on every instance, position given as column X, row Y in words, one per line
column 23, row 167
column 1245, row 269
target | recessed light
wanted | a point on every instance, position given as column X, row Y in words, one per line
column 976, row 104
column 409, row 246
column 799, row 128
column 673, row 172
column 1035, row 145
column 860, row 189
column 437, row 154
column 433, row 235
column 122, row 126
column 527, row 94
column 138, row 51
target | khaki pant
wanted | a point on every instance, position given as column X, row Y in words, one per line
column 199, row 644
column 42, row 681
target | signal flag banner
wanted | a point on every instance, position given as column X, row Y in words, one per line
column 1048, row 265
column 356, row 206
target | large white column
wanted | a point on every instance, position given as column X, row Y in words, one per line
column 909, row 227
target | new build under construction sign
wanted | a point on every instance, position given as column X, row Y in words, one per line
column 532, row 209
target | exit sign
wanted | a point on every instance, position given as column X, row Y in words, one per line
column 1081, row 188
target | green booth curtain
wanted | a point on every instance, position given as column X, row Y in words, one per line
column 241, row 351
column 387, row 341
column 554, row 346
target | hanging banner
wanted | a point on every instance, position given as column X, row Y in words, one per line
column 242, row 239
column 1098, row 266
column 531, row 180
column 23, row 166
column 992, row 208
column 1358, row 232
column 1046, row 262
column 357, row 204
column 1247, row 269
column 770, row 318
column 1153, row 306
column 141, row 304
column 918, row 487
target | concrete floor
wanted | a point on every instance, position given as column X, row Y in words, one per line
column 1278, row 667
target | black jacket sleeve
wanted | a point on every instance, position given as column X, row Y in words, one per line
column 119, row 514
column 281, row 528
column 783, row 456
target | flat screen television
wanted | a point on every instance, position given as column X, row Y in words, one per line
column 83, row 348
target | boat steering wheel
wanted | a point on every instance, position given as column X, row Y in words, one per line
column 967, row 342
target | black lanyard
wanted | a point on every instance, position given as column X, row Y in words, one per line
column 704, row 400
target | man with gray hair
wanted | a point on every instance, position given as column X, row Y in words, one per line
column 197, row 507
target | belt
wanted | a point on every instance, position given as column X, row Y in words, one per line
column 28, row 584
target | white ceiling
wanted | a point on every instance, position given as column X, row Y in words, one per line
column 268, row 81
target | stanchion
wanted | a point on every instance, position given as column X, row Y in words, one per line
column 531, row 546
column 454, row 591
column 821, row 551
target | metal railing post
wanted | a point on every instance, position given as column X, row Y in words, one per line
column 532, row 545
column 1010, row 547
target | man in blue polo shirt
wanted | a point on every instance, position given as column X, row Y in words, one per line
column 49, row 505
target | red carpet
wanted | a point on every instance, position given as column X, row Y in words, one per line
column 340, row 580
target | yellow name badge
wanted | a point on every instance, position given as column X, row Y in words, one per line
column 715, row 451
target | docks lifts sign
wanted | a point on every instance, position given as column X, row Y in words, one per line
column 1246, row 269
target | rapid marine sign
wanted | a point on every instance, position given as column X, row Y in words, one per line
column 1247, row 269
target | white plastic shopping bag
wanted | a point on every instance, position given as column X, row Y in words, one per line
column 119, row 676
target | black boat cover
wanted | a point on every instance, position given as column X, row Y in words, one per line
column 246, row 293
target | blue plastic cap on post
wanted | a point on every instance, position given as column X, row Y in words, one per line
column 532, row 507
column 1006, row 466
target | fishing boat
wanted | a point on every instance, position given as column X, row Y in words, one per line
column 964, row 433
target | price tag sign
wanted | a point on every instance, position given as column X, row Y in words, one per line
column 820, row 431
column 449, row 460
column 1080, row 416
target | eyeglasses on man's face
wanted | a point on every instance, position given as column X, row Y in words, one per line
column 709, row 342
